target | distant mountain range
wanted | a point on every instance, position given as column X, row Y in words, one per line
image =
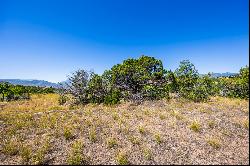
column 25, row 82
column 43, row 83
column 227, row 74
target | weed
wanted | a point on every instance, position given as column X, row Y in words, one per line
column 111, row 142
column 122, row 158
column 215, row 143
column 158, row 138
column 141, row 129
column 147, row 154
column 25, row 153
column 115, row 116
column 195, row 126
column 203, row 110
column 39, row 157
column 162, row 117
column 77, row 146
column 76, row 157
column 177, row 115
column 11, row 147
column 245, row 123
column 67, row 133
column 211, row 124
column 134, row 140
column 92, row 135
column 147, row 112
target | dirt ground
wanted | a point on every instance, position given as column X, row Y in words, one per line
column 39, row 131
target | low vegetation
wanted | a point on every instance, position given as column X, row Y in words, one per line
column 34, row 133
column 135, row 113
column 145, row 78
column 15, row 92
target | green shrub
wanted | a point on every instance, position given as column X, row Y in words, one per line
column 138, row 79
column 11, row 92
column 62, row 99
column 112, row 98
column 96, row 89
column 145, row 79
column 190, row 85
column 237, row 86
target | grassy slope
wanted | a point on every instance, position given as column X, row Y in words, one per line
column 160, row 132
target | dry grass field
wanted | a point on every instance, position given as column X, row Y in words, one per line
column 39, row 131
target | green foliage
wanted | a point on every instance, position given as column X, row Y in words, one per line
column 15, row 92
column 171, row 79
column 138, row 79
column 237, row 86
column 153, row 92
column 145, row 79
column 113, row 97
column 190, row 85
column 96, row 90
column 147, row 153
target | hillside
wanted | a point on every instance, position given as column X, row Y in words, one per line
column 216, row 75
column 40, row 83
column 227, row 74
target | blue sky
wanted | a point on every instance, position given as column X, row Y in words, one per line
column 49, row 39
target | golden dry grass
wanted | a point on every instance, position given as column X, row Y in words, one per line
column 40, row 131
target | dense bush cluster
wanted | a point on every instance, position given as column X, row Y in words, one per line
column 10, row 92
column 146, row 79
column 237, row 86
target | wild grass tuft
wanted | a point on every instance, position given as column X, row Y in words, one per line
column 195, row 126
column 122, row 158
column 111, row 142
column 92, row 135
column 215, row 143
column 158, row 138
column 11, row 147
column 134, row 140
column 68, row 133
column 25, row 153
column 76, row 156
column 141, row 129
column 147, row 154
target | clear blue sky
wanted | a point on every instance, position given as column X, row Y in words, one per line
column 49, row 39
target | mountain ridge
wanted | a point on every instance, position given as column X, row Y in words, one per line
column 31, row 82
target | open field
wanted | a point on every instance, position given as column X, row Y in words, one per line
column 39, row 131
